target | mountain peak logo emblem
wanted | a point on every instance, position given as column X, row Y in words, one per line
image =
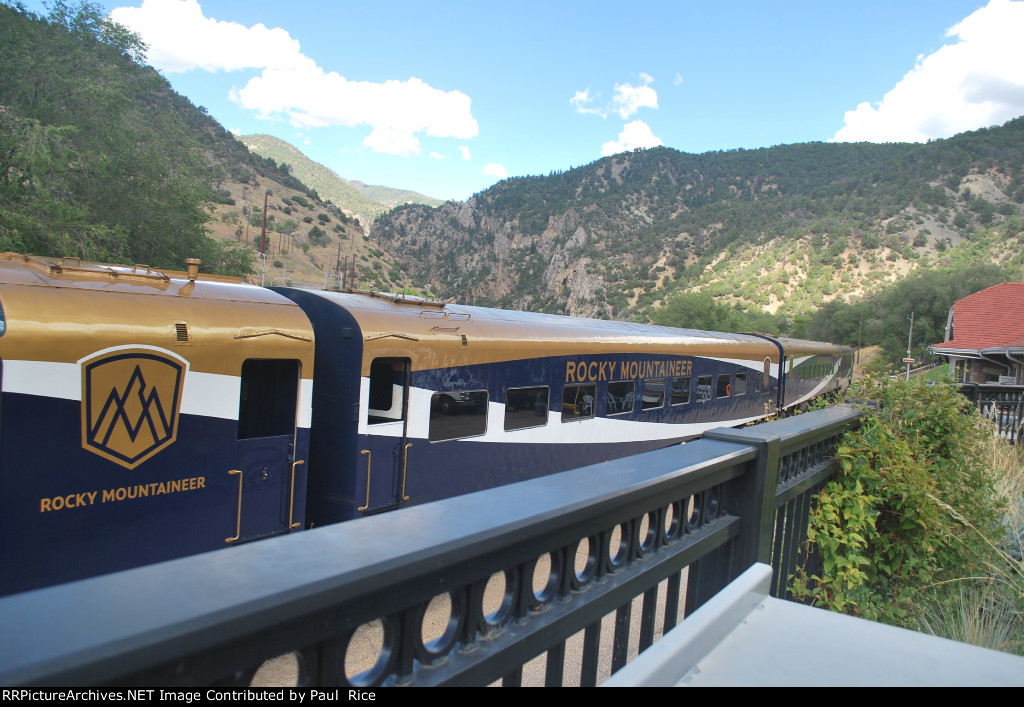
column 130, row 403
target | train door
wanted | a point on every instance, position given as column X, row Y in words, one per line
column 774, row 401
column 386, row 450
column 265, row 448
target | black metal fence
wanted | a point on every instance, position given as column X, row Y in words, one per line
column 513, row 573
column 1002, row 404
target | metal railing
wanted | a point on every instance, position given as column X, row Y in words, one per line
column 1002, row 404
column 523, row 569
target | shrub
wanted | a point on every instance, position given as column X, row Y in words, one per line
column 911, row 508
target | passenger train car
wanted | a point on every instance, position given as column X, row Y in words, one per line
column 148, row 415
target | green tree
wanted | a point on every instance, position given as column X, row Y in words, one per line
column 97, row 159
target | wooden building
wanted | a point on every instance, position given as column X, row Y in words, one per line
column 985, row 336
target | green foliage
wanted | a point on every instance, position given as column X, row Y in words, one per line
column 97, row 158
column 911, row 507
column 696, row 310
column 883, row 318
column 317, row 236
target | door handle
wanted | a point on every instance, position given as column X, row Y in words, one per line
column 368, row 458
column 238, row 516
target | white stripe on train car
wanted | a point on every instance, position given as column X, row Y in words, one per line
column 592, row 430
column 205, row 394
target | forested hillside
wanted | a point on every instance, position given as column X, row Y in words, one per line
column 101, row 159
column 778, row 230
column 95, row 158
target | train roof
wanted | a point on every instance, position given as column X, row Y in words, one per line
column 440, row 334
column 365, row 305
column 64, row 309
column 804, row 347
column 31, row 270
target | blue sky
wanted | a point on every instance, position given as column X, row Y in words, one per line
column 448, row 97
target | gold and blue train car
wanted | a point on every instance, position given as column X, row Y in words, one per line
column 812, row 369
column 145, row 415
column 418, row 400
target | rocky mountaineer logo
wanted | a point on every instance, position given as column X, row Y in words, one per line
column 130, row 403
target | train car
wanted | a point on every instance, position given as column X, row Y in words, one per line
column 418, row 400
column 145, row 415
column 809, row 370
column 812, row 369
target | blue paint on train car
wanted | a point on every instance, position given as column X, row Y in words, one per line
column 71, row 514
column 333, row 442
column 423, row 407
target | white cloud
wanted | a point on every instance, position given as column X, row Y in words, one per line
column 494, row 170
column 465, row 152
column 291, row 86
column 436, row 156
column 678, row 79
column 976, row 82
column 629, row 99
column 633, row 135
column 211, row 45
column 582, row 101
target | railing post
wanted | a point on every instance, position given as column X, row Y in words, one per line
column 751, row 497
column 757, row 504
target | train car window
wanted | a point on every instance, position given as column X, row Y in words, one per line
column 578, row 402
column 526, row 407
column 457, row 414
column 269, row 398
column 386, row 390
column 654, row 394
column 739, row 386
column 620, row 397
column 680, row 390
column 723, row 389
column 703, row 389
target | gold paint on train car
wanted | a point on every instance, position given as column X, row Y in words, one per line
column 54, row 315
column 493, row 336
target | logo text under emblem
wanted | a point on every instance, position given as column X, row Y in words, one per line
column 130, row 403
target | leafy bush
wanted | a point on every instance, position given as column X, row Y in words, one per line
column 911, row 509
column 318, row 236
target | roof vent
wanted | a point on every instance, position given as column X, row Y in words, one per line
column 181, row 333
column 192, row 267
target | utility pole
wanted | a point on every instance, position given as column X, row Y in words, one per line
column 910, row 359
column 860, row 331
column 263, row 234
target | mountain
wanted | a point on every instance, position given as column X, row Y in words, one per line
column 354, row 197
column 783, row 229
column 101, row 159
column 390, row 196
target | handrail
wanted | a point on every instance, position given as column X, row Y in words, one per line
column 709, row 508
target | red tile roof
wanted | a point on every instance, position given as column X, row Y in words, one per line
column 992, row 318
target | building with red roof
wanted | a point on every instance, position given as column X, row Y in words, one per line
column 985, row 336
